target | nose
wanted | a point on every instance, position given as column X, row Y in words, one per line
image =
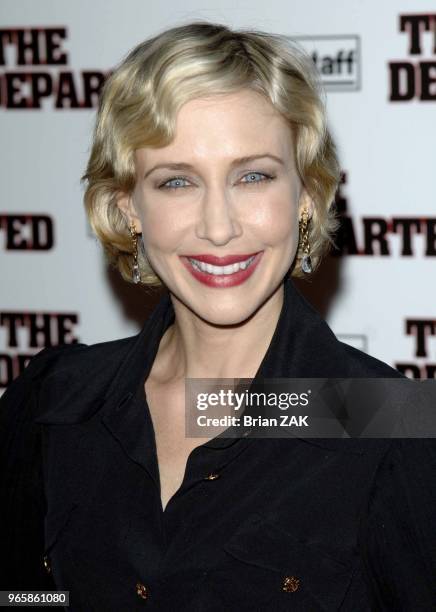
column 217, row 221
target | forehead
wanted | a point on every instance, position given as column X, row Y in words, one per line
column 224, row 126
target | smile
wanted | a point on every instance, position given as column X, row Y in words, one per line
column 229, row 275
column 219, row 270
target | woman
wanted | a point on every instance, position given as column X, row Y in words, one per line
column 212, row 172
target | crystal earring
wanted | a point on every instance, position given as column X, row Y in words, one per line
column 136, row 277
column 306, row 262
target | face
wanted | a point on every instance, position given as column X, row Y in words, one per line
column 218, row 207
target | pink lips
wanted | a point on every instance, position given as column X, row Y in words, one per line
column 227, row 260
column 222, row 280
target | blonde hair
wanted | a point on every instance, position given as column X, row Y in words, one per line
column 139, row 105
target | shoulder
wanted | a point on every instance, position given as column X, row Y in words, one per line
column 362, row 364
column 70, row 358
column 84, row 357
column 397, row 534
column 65, row 378
column 322, row 354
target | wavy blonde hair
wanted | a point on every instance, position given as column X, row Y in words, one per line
column 139, row 105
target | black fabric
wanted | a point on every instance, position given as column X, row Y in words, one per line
column 348, row 523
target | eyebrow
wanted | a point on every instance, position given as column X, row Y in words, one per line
column 236, row 162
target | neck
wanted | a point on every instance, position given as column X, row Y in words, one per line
column 194, row 348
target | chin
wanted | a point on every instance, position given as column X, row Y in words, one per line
column 224, row 306
column 224, row 318
column 233, row 316
column 227, row 310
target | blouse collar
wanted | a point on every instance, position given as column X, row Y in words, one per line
column 107, row 379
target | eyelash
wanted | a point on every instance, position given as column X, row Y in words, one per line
column 267, row 178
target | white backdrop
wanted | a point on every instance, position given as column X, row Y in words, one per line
column 53, row 276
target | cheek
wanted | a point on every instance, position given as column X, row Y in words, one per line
column 277, row 221
column 162, row 228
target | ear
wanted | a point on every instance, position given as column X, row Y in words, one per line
column 125, row 204
column 306, row 202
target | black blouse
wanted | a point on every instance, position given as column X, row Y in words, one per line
column 257, row 524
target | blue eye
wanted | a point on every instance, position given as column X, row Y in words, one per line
column 175, row 179
column 176, row 182
column 250, row 175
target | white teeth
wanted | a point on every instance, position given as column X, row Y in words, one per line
column 219, row 270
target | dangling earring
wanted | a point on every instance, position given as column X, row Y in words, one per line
column 306, row 262
column 136, row 277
